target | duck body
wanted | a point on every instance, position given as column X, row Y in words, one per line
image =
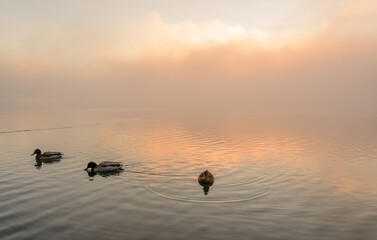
column 206, row 178
column 106, row 166
column 46, row 156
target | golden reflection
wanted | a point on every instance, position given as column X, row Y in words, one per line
column 182, row 148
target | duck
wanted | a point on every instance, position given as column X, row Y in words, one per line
column 206, row 177
column 106, row 166
column 46, row 156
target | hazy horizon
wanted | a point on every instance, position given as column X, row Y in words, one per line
column 278, row 55
column 276, row 99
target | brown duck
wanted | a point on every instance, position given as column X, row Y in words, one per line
column 206, row 177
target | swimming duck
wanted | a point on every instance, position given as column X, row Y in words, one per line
column 46, row 155
column 206, row 177
column 105, row 166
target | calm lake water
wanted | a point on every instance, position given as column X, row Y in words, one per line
column 278, row 175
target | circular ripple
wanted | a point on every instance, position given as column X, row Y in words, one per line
column 234, row 186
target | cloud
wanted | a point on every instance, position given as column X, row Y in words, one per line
column 152, row 37
column 353, row 19
column 84, row 47
column 151, row 62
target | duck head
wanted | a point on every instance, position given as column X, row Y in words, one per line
column 91, row 165
column 37, row 151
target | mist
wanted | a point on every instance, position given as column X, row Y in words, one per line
column 332, row 68
column 332, row 76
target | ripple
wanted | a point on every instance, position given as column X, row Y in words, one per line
column 47, row 129
column 235, row 185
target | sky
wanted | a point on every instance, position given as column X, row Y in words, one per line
column 276, row 54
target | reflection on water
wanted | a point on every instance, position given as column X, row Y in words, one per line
column 206, row 187
column 91, row 174
column 235, row 186
column 278, row 176
column 38, row 163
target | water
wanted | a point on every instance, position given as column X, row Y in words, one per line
column 278, row 175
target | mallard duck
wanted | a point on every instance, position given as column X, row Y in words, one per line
column 104, row 166
column 46, row 155
column 206, row 177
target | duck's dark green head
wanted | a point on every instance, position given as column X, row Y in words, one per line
column 91, row 165
column 37, row 151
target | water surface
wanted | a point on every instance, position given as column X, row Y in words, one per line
column 278, row 175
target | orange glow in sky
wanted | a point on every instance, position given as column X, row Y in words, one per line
column 153, row 53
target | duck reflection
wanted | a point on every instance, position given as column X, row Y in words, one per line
column 38, row 162
column 206, row 179
column 205, row 187
column 91, row 174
